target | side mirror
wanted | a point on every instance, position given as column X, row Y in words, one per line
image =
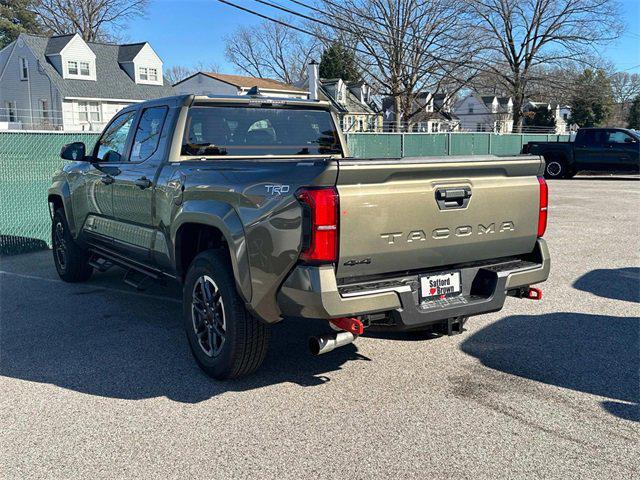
column 629, row 140
column 74, row 151
column 112, row 157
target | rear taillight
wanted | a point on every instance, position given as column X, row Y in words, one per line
column 320, row 224
column 544, row 205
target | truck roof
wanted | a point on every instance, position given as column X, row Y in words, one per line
column 258, row 100
column 583, row 129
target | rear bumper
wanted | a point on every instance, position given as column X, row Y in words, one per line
column 313, row 292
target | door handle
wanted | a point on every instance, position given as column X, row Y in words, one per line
column 107, row 179
column 143, row 182
column 454, row 197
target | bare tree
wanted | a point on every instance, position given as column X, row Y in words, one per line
column 175, row 73
column 520, row 36
column 405, row 47
column 94, row 20
column 270, row 50
column 553, row 84
column 625, row 87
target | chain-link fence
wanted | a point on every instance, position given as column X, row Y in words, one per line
column 395, row 145
column 27, row 163
column 28, row 160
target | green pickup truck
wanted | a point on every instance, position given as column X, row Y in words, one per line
column 254, row 206
column 593, row 149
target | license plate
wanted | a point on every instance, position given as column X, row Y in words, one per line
column 440, row 285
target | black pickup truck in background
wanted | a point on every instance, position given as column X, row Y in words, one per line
column 593, row 149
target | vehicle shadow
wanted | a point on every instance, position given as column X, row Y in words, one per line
column 606, row 178
column 131, row 347
column 614, row 283
column 595, row 354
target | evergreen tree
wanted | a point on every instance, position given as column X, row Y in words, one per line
column 16, row 17
column 633, row 119
column 540, row 117
column 592, row 100
column 339, row 62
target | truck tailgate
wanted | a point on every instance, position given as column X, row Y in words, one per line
column 406, row 214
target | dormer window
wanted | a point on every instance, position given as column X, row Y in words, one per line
column 143, row 73
column 81, row 69
column 153, row 74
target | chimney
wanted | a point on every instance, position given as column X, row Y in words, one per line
column 313, row 80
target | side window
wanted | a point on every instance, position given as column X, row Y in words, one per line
column 145, row 143
column 619, row 137
column 113, row 141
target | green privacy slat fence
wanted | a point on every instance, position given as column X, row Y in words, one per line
column 393, row 145
column 27, row 163
column 29, row 159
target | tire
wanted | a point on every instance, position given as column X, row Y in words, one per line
column 71, row 260
column 225, row 339
column 555, row 168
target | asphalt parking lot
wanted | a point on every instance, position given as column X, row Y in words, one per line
column 97, row 380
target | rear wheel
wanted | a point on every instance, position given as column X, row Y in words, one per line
column 225, row 339
column 555, row 168
column 71, row 260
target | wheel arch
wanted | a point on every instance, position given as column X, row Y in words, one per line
column 58, row 196
column 196, row 229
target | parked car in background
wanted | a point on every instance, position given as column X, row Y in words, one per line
column 593, row 149
column 253, row 204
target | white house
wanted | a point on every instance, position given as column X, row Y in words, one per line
column 431, row 112
column 210, row 83
column 350, row 100
column 485, row 113
column 561, row 114
column 65, row 83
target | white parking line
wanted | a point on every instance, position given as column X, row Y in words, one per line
column 53, row 280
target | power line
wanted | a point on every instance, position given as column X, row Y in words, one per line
column 346, row 30
column 375, row 32
column 317, row 35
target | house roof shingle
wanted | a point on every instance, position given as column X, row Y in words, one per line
column 126, row 53
column 487, row 99
column 241, row 81
column 57, row 43
column 112, row 81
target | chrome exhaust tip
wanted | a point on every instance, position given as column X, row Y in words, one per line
column 330, row 341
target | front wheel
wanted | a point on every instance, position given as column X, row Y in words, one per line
column 72, row 262
column 225, row 339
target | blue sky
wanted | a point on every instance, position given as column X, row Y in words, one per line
column 188, row 32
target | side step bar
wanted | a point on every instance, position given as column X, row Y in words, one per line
column 135, row 275
column 100, row 264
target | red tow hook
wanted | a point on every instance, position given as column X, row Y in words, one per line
column 351, row 325
column 534, row 294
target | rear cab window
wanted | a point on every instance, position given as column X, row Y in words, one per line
column 147, row 138
column 591, row 138
column 247, row 131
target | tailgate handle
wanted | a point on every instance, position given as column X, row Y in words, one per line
column 451, row 198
